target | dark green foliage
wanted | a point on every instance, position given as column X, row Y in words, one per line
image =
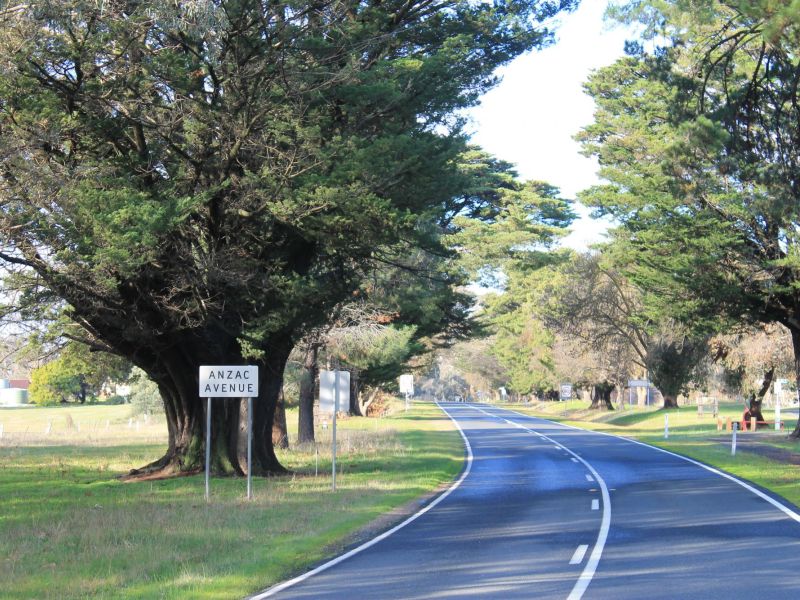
column 202, row 181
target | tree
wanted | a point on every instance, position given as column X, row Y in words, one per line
column 201, row 182
column 757, row 356
column 504, row 249
column 76, row 375
column 594, row 302
column 699, row 142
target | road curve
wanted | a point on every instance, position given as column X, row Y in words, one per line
column 532, row 518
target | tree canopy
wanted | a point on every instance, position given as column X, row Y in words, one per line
column 696, row 132
column 200, row 181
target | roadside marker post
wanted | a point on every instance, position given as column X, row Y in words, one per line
column 229, row 381
column 406, row 384
column 666, row 426
column 334, row 395
column 733, row 438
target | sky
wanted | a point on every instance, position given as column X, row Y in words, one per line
column 529, row 119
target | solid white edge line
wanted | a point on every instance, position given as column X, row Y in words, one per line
column 589, row 570
column 368, row 544
column 769, row 499
column 782, row 507
column 580, row 552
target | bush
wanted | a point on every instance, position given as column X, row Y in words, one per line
column 145, row 397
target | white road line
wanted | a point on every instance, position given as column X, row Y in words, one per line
column 368, row 544
column 589, row 570
column 580, row 552
column 589, row 477
column 574, row 460
column 780, row 506
column 595, row 504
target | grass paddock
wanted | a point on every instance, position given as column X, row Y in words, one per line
column 69, row 528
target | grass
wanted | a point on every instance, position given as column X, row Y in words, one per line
column 70, row 529
column 692, row 435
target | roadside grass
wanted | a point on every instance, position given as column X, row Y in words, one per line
column 692, row 435
column 70, row 529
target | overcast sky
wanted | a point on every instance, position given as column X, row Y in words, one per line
column 531, row 117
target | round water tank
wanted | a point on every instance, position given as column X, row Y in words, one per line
column 13, row 397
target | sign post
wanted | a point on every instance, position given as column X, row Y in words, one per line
column 229, row 381
column 406, row 383
column 334, row 395
column 777, row 392
column 565, row 392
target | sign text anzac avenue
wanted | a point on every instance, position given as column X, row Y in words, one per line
column 228, row 382
column 223, row 381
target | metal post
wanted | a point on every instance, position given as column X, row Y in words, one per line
column 733, row 438
column 333, row 441
column 208, row 443
column 249, row 448
column 666, row 426
column 316, row 459
column 777, row 411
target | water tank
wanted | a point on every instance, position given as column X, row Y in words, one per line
column 13, row 397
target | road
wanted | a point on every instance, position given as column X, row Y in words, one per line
column 548, row 511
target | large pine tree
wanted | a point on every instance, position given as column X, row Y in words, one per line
column 199, row 181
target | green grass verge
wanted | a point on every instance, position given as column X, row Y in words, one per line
column 70, row 529
column 692, row 435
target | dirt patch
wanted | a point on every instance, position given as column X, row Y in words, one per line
column 763, row 448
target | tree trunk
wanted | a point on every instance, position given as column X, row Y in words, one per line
column 355, row 400
column 308, row 380
column 670, row 400
column 176, row 372
column 796, row 347
column 601, row 393
column 280, row 435
column 757, row 400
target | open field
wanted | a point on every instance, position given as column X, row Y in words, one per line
column 70, row 529
column 764, row 457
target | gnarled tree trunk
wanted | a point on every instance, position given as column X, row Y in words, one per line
column 601, row 393
column 176, row 372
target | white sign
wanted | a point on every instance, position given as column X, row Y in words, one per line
column 638, row 383
column 407, row 384
column 566, row 391
column 227, row 381
column 327, row 391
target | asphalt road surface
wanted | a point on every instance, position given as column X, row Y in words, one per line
column 548, row 511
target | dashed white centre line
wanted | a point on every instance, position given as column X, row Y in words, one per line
column 595, row 504
column 589, row 477
column 574, row 460
column 580, row 552
column 589, row 570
